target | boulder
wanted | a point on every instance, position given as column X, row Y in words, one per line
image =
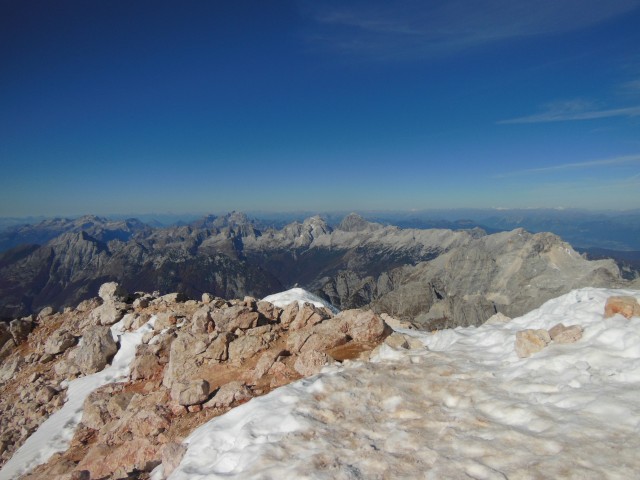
column 562, row 334
column 145, row 365
column 247, row 346
column 94, row 411
column 207, row 298
column 267, row 359
column 289, row 314
column 624, row 305
column 311, row 362
column 96, row 350
column 200, row 320
column 397, row 341
column 237, row 317
column 269, row 311
column 108, row 313
column 364, row 326
column 228, row 394
column 182, row 357
column 218, row 350
column 190, row 393
column 318, row 338
column 308, row 315
column 59, row 342
column 531, row 341
column 88, row 305
column 46, row 312
column 112, row 292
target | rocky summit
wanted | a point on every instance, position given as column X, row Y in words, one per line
column 434, row 278
column 145, row 370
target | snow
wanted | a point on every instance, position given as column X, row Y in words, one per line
column 55, row 434
column 299, row 295
column 465, row 406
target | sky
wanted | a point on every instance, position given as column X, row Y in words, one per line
column 210, row 106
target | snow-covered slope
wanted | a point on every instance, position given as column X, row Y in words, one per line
column 299, row 295
column 464, row 407
column 55, row 434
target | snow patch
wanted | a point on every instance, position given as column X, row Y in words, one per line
column 465, row 405
column 299, row 295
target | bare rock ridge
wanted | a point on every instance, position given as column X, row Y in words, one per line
column 435, row 278
column 198, row 360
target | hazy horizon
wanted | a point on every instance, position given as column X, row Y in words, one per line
column 112, row 107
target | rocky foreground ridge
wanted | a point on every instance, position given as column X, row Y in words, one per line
column 436, row 278
column 196, row 360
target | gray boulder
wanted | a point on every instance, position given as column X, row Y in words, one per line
column 59, row 342
column 96, row 350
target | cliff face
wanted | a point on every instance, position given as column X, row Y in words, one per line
column 434, row 277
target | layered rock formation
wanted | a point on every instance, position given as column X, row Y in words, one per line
column 437, row 278
column 200, row 359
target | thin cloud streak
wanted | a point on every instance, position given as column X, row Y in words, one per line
column 575, row 166
column 414, row 28
column 563, row 116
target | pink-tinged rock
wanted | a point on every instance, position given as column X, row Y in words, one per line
column 318, row 337
column 190, row 393
column 530, row 341
column 311, row 362
column 624, row 305
column 237, row 317
column 269, row 311
column 145, row 366
column 308, row 315
column 365, row 326
column 562, row 334
column 177, row 409
column 247, row 346
column 229, row 394
column 281, row 374
column 289, row 314
column 267, row 359
column 200, row 320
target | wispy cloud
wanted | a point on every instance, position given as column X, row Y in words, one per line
column 571, row 114
column 606, row 162
column 415, row 28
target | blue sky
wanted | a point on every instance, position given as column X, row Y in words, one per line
column 207, row 106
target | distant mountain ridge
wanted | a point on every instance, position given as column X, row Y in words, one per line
column 436, row 277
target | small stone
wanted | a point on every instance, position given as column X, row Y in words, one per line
column 46, row 312
column 531, row 341
column 397, row 341
column 141, row 302
column 562, row 334
column 195, row 408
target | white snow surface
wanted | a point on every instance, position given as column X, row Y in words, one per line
column 55, row 434
column 464, row 407
column 301, row 296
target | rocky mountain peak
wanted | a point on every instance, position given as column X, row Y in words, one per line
column 355, row 223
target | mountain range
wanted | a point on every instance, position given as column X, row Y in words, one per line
column 432, row 277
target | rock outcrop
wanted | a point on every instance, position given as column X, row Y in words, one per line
column 200, row 360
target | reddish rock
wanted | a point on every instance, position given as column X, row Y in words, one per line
column 624, row 305
column 172, row 454
column 190, row 393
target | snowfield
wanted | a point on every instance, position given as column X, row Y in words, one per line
column 55, row 434
column 465, row 406
column 299, row 295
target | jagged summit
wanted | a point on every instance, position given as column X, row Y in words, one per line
column 355, row 223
